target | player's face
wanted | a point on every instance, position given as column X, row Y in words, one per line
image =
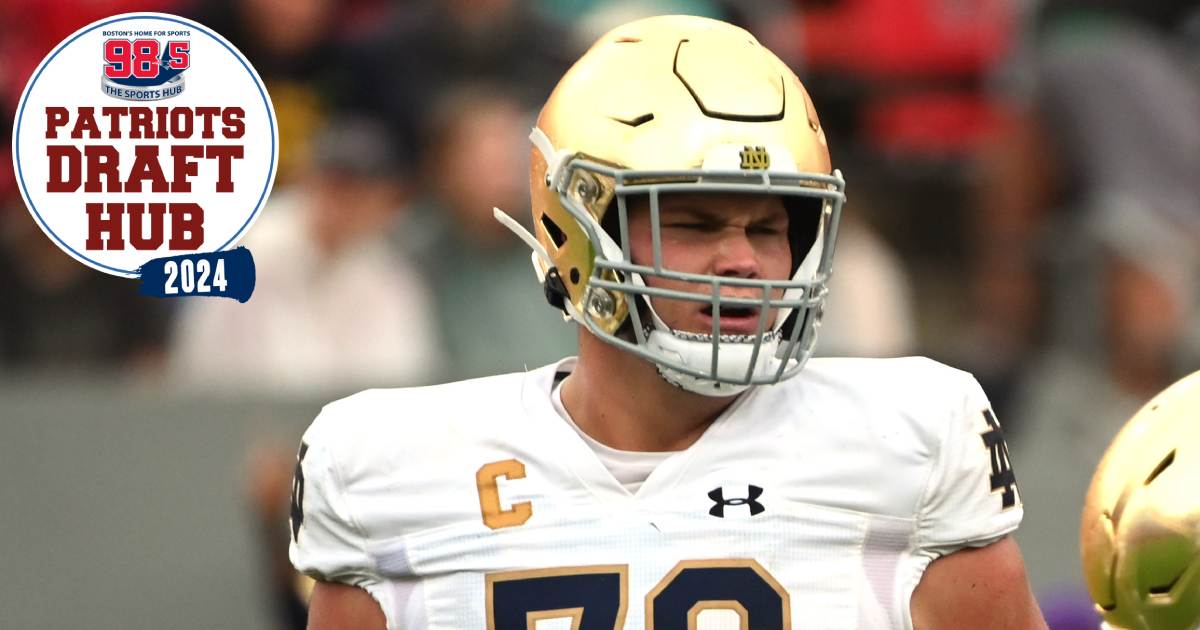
column 725, row 235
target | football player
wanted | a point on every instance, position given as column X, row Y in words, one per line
column 1141, row 520
column 683, row 471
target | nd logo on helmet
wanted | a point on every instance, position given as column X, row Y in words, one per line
column 755, row 158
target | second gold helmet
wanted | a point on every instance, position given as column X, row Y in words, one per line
column 1140, row 534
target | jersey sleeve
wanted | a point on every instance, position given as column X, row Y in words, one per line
column 327, row 542
column 971, row 498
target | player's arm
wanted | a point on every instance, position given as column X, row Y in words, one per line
column 973, row 575
column 337, row 606
column 982, row 588
column 328, row 542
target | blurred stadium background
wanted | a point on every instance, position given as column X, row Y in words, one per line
column 1024, row 181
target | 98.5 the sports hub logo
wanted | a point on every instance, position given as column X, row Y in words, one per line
column 135, row 71
column 145, row 146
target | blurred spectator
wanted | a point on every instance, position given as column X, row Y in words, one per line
column 1140, row 301
column 1085, row 137
column 1005, row 299
column 903, row 90
column 573, row 13
column 1096, row 183
column 869, row 312
column 1088, row 138
column 58, row 315
column 29, row 30
column 298, row 48
column 10, row 197
column 1164, row 15
column 904, row 77
column 1094, row 73
column 1115, row 104
column 493, row 316
column 421, row 49
column 588, row 20
column 336, row 307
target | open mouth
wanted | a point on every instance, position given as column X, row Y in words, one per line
column 738, row 320
column 732, row 312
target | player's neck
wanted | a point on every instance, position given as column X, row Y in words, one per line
column 621, row 401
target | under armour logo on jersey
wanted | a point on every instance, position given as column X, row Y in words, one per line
column 718, row 496
column 1002, row 477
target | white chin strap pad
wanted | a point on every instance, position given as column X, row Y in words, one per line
column 732, row 363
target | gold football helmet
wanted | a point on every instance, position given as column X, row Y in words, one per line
column 1141, row 522
column 680, row 104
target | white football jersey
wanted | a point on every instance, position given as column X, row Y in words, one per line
column 814, row 503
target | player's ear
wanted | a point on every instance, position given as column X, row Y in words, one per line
column 804, row 222
column 635, row 206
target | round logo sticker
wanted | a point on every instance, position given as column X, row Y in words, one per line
column 145, row 136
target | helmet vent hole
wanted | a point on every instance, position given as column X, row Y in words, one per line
column 634, row 122
column 629, row 40
column 574, row 275
column 1165, row 588
column 1158, row 470
column 556, row 234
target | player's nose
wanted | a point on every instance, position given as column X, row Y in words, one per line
column 735, row 256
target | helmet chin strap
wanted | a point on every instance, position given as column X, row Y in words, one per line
column 539, row 258
column 695, row 351
column 555, row 158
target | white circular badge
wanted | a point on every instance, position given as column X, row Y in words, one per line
column 142, row 136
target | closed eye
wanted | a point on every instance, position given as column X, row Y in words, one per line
column 696, row 226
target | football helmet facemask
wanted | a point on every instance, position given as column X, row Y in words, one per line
column 681, row 104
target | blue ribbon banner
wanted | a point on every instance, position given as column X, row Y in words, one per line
column 228, row 274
